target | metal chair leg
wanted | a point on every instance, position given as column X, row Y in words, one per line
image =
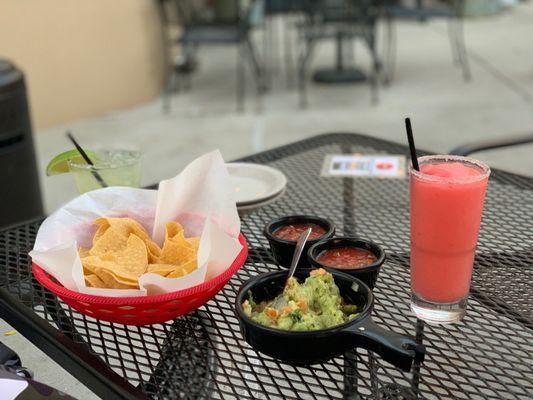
column 269, row 51
column 241, row 76
column 287, row 39
column 257, row 72
column 192, row 54
column 173, row 83
column 390, row 50
column 267, row 62
column 302, row 67
column 256, row 66
column 376, row 68
column 453, row 42
column 167, row 92
column 187, row 82
column 461, row 49
column 350, row 49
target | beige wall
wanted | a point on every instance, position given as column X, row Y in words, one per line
column 83, row 58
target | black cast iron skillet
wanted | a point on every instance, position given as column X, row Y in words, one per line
column 317, row 346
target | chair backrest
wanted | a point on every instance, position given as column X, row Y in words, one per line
column 427, row 8
column 323, row 11
column 206, row 12
column 200, row 12
column 284, row 6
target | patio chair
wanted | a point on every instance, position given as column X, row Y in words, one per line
column 422, row 11
column 514, row 140
column 340, row 19
column 289, row 14
column 218, row 25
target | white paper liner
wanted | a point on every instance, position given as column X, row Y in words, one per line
column 200, row 198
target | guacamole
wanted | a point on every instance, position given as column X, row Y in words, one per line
column 314, row 304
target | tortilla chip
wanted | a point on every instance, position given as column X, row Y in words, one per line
column 190, row 266
column 131, row 262
column 96, row 266
column 172, row 229
column 161, row 269
column 99, row 232
column 134, row 283
column 83, row 252
column 111, row 241
column 176, row 253
column 154, row 251
column 127, row 226
column 122, row 251
column 89, row 263
column 92, row 280
column 111, row 282
column 177, row 273
column 183, row 269
column 104, row 272
column 194, row 242
column 176, row 249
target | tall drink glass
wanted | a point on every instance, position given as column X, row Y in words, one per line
column 447, row 196
column 115, row 167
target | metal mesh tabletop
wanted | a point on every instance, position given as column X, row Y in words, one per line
column 487, row 356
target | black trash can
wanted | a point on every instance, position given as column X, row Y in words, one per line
column 20, row 195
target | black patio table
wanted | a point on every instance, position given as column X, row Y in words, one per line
column 202, row 355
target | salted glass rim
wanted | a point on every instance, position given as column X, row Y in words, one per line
column 133, row 158
column 439, row 158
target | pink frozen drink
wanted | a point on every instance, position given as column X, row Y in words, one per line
column 447, row 196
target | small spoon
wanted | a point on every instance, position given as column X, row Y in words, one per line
column 280, row 302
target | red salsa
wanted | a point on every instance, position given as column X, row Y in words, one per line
column 293, row 231
column 347, row 257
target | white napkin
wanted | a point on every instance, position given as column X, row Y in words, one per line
column 200, row 198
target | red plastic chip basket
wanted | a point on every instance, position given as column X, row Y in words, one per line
column 142, row 310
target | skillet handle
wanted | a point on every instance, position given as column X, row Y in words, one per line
column 400, row 350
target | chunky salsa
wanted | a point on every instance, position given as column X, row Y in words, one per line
column 313, row 304
column 293, row 231
column 347, row 257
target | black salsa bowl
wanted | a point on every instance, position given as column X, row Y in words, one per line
column 282, row 249
column 317, row 346
column 368, row 274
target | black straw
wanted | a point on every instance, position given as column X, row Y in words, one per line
column 411, row 141
column 96, row 175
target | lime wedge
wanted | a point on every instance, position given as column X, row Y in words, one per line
column 59, row 164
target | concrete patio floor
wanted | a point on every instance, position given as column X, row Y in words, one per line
column 446, row 111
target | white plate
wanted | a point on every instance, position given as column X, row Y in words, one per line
column 255, row 183
column 247, row 209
